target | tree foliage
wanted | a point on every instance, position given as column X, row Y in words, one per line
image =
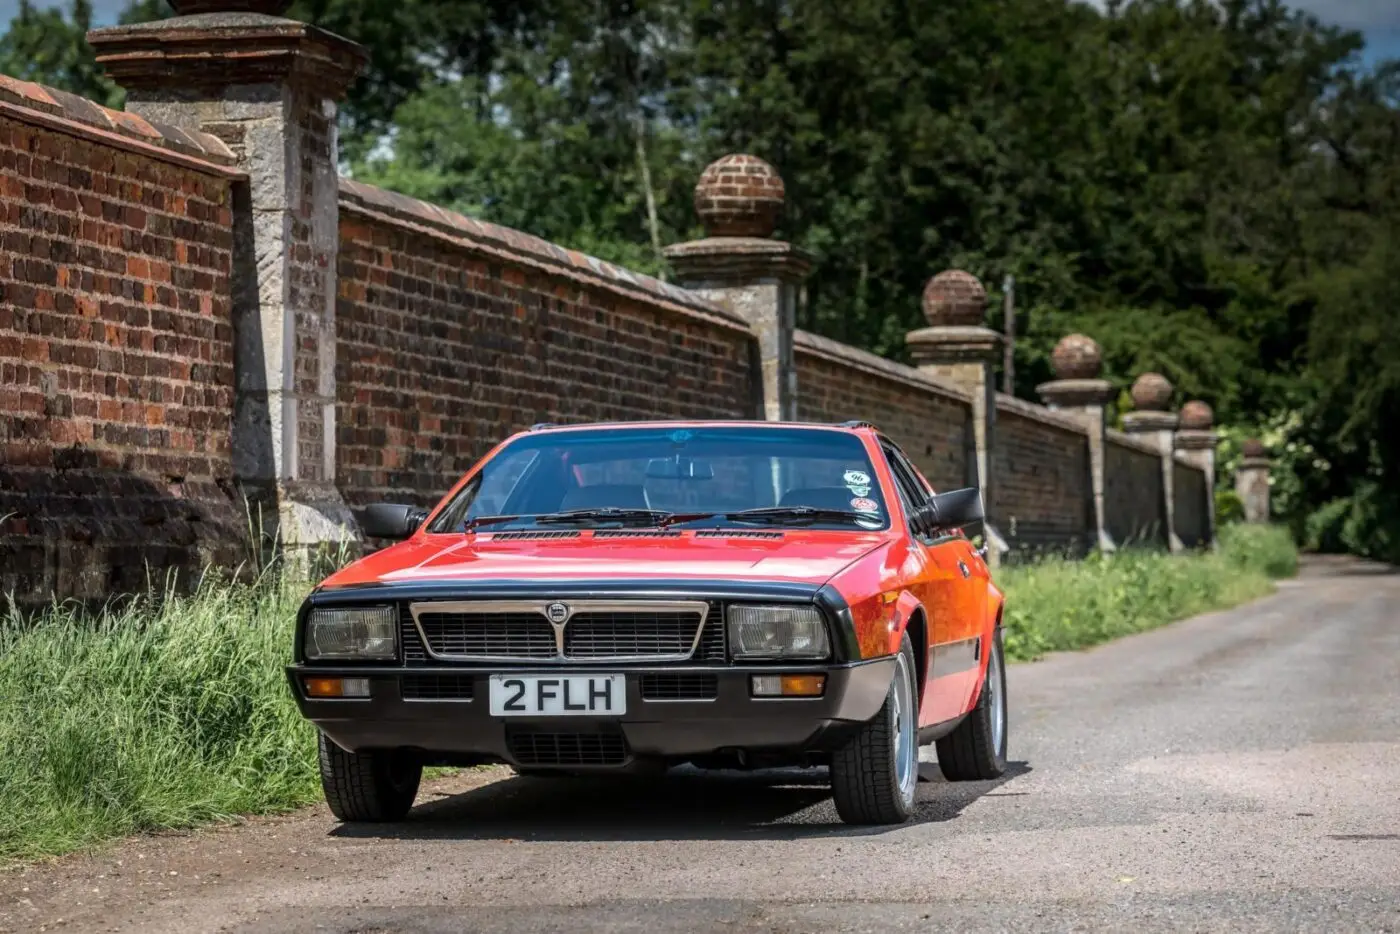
column 1210, row 188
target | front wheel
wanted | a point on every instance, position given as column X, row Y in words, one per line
column 372, row 787
column 874, row 775
column 976, row 750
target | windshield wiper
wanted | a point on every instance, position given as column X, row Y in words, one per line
column 489, row 520
column 607, row 514
column 798, row 513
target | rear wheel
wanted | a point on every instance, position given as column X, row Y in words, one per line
column 976, row 750
column 373, row 787
column 874, row 775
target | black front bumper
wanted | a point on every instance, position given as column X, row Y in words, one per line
column 463, row 731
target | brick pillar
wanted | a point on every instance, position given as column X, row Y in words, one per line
column 958, row 348
column 268, row 87
column 1252, row 481
column 740, row 266
column 1078, row 391
column 1152, row 396
column 1196, row 440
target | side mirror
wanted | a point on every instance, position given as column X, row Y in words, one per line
column 391, row 520
column 956, row 509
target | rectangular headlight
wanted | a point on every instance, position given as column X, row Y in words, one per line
column 352, row 632
column 777, row 632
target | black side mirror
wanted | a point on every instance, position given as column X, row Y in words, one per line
column 956, row 509
column 391, row 520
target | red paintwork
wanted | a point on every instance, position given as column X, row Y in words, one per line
column 886, row 577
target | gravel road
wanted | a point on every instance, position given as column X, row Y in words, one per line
column 1239, row 771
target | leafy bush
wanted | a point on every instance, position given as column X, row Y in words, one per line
column 1229, row 508
column 1056, row 605
column 1367, row 523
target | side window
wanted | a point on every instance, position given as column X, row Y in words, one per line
column 909, row 493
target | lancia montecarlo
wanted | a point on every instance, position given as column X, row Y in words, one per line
column 618, row 598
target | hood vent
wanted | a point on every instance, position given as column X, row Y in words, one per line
column 527, row 535
column 737, row 533
column 637, row 533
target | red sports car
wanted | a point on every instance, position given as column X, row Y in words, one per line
column 630, row 596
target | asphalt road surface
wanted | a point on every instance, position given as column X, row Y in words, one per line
column 1235, row 772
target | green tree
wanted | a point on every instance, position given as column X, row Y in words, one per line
column 48, row 46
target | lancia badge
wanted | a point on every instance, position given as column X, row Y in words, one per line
column 557, row 612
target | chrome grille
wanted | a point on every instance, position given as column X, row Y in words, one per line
column 627, row 635
column 582, row 630
column 489, row 635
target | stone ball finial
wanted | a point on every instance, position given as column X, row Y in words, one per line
column 266, row 7
column 1197, row 416
column 1151, row 392
column 955, row 299
column 1253, row 447
column 739, row 196
column 1077, row 356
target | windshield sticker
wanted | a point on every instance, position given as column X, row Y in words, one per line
column 681, row 436
column 857, row 478
column 859, row 490
column 861, row 504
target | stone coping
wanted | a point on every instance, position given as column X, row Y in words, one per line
column 1182, row 459
column 517, row 246
column 1122, row 439
column 837, row 352
column 70, row 112
column 1040, row 413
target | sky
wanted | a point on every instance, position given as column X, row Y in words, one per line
column 1378, row 20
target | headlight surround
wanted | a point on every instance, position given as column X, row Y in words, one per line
column 350, row 633
column 777, row 632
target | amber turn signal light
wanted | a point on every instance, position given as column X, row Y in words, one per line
column 336, row 687
column 788, row 685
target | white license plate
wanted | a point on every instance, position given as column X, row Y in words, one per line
column 558, row 695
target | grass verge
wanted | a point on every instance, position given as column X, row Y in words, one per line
column 1055, row 605
column 173, row 712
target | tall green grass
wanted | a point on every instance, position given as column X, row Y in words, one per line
column 1054, row 604
column 172, row 711
column 168, row 712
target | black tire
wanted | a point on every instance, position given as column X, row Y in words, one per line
column 373, row 787
column 972, row 752
column 865, row 773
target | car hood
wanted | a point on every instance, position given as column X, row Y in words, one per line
column 810, row 557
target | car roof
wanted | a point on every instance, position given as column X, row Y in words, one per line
column 851, row 426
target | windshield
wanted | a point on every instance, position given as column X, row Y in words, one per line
column 689, row 477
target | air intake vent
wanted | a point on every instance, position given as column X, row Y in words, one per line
column 437, row 687
column 413, row 653
column 712, row 640
column 531, row 747
column 737, row 533
column 679, row 687
column 534, row 535
column 637, row 533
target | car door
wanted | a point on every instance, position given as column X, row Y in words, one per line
column 953, row 580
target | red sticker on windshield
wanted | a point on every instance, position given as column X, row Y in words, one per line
column 861, row 504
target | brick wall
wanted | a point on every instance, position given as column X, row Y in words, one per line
column 453, row 334
column 1042, row 484
column 116, row 350
column 929, row 421
column 1189, row 508
column 1134, row 505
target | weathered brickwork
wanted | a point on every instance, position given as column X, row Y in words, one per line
column 116, row 364
column 1044, row 497
column 1189, row 514
column 447, row 343
column 929, row 422
column 1134, row 505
